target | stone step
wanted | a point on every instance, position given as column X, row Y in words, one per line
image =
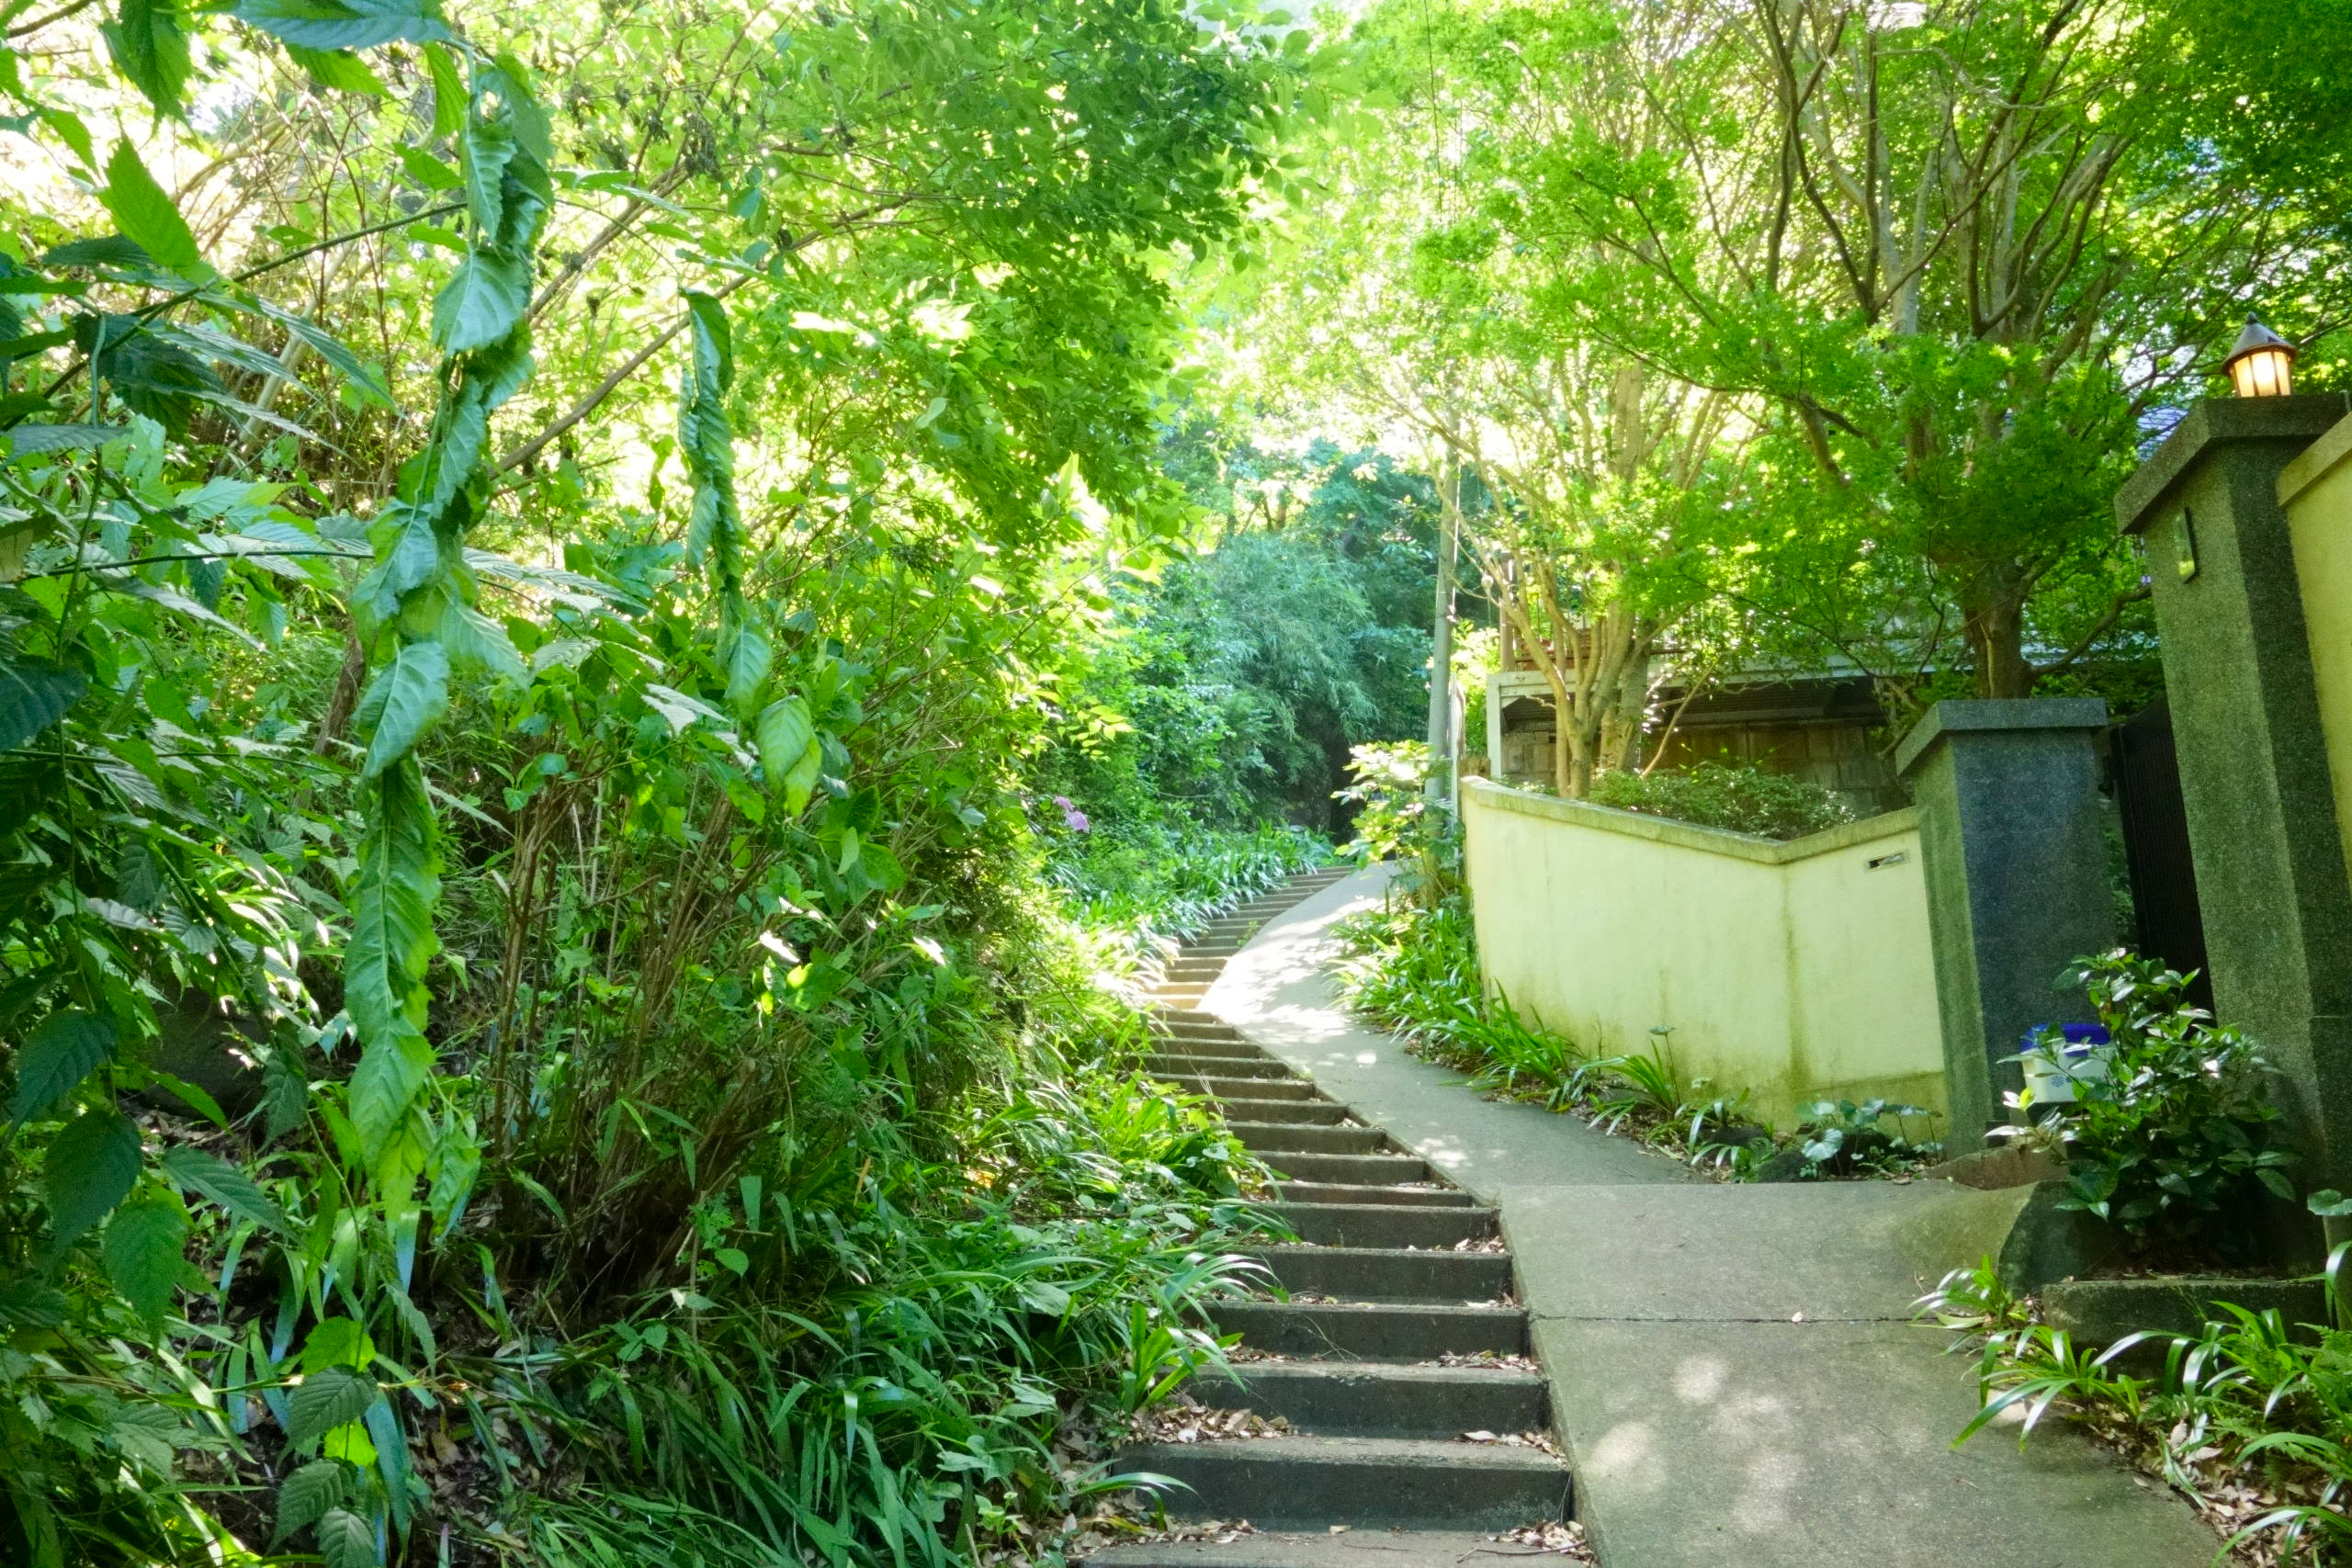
column 1374, row 1400
column 1222, row 948
column 1187, row 1015
column 1361, row 1170
column 1192, row 968
column 1185, row 992
column 1374, row 1331
column 1197, row 1067
column 1181, row 1030
column 1213, row 1050
column 1390, row 1274
column 1227, row 1091
column 1310, row 1113
column 1305, row 1482
column 1384, row 1224
column 1269, row 1139
column 1340, row 1192
column 1274, row 1548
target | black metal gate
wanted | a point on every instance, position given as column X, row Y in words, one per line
column 2146, row 773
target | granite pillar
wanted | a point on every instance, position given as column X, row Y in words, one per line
column 2015, row 867
column 2253, row 770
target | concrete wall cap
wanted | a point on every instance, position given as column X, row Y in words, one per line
column 2318, row 460
column 2223, row 421
column 1981, row 714
column 1687, row 835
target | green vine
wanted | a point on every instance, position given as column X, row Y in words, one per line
column 416, row 615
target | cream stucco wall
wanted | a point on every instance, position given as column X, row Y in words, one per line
column 1797, row 971
column 2316, row 490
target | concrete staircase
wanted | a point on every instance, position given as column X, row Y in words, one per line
column 1402, row 1335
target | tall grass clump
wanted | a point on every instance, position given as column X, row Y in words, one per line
column 2250, row 1418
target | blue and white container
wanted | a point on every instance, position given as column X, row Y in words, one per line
column 2059, row 1058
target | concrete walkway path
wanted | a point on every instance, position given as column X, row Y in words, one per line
column 1734, row 1375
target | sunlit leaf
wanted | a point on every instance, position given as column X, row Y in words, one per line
column 143, row 210
column 482, row 301
column 345, row 24
column 150, row 47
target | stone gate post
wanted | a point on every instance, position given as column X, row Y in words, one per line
column 2253, row 770
column 2015, row 867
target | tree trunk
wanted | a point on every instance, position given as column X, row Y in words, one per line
column 1994, row 612
column 1444, row 745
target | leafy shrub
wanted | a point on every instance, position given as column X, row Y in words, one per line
column 2180, row 1129
column 1718, row 795
column 1394, row 821
column 1389, row 794
column 1842, row 1138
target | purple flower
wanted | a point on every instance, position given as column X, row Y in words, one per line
column 1073, row 818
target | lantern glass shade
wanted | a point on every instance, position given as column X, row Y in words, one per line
column 2261, row 363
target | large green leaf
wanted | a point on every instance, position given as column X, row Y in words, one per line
column 145, row 212
column 154, row 376
column 144, row 1251
column 92, row 1166
column 483, row 301
column 345, row 24
column 40, row 440
column 391, row 1073
column 150, row 47
column 391, row 907
column 325, row 1400
column 475, row 641
column 744, row 654
column 787, row 739
column 712, row 336
column 304, row 1497
column 406, row 698
column 338, row 69
column 487, row 147
column 366, row 381
column 61, row 1052
column 215, row 1178
column 449, row 97
column 345, row 1540
column 34, row 694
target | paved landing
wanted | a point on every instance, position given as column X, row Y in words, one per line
column 1733, row 1372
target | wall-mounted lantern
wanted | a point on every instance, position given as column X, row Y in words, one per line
column 2260, row 362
